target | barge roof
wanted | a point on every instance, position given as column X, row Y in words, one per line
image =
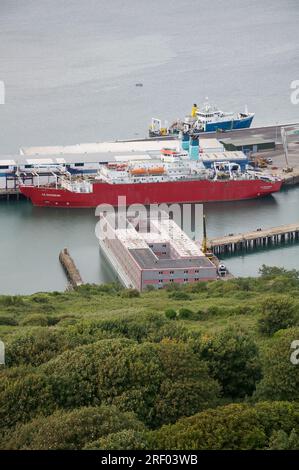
column 146, row 259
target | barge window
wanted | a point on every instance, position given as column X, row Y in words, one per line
column 79, row 164
column 4, row 167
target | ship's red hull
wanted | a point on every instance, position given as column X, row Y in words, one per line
column 152, row 193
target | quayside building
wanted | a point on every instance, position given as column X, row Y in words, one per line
column 152, row 252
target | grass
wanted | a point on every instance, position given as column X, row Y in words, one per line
column 233, row 303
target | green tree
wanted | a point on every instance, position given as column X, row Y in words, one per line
column 23, row 397
column 277, row 313
column 128, row 439
column 271, row 272
column 280, row 440
column 35, row 346
column 159, row 382
column 233, row 360
column 186, row 387
column 230, row 427
column 280, row 376
column 71, row 430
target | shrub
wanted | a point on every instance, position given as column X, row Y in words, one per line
column 171, row 330
column 35, row 319
column 35, row 346
column 54, row 320
column 111, row 288
column 179, row 295
column 230, row 427
column 233, row 360
column 280, row 440
column 213, row 310
column 198, row 287
column 11, row 300
column 25, row 396
column 172, row 286
column 71, row 430
column 243, row 310
column 130, row 293
column 128, row 439
column 185, row 313
column 40, row 298
column 277, row 313
column 158, row 381
column 271, row 272
column 201, row 313
column 280, row 376
column 170, row 313
column 9, row 321
column 150, row 288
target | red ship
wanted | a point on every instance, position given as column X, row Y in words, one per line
column 178, row 182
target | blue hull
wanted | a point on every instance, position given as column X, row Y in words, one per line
column 243, row 123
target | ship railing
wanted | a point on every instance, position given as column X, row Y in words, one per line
column 76, row 186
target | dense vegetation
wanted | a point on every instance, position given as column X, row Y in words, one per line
column 202, row 366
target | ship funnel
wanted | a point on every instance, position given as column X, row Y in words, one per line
column 185, row 139
column 194, row 147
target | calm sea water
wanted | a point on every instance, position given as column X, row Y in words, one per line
column 70, row 70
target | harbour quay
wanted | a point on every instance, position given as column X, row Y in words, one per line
column 41, row 165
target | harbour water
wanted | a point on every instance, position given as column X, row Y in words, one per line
column 70, row 71
column 32, row 237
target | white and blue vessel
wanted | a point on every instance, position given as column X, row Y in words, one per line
column 207, row 118
column 210, row 119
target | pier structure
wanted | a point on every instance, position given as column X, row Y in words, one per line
column 70, row 268
column 260, row 238
column 12, row 193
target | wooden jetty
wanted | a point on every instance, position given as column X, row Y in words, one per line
column 266, row 238
column 70, row 268
column 10, row 194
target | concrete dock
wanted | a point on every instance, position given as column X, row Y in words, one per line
column 266, row 133
column 266, row 238
column 70, row 268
